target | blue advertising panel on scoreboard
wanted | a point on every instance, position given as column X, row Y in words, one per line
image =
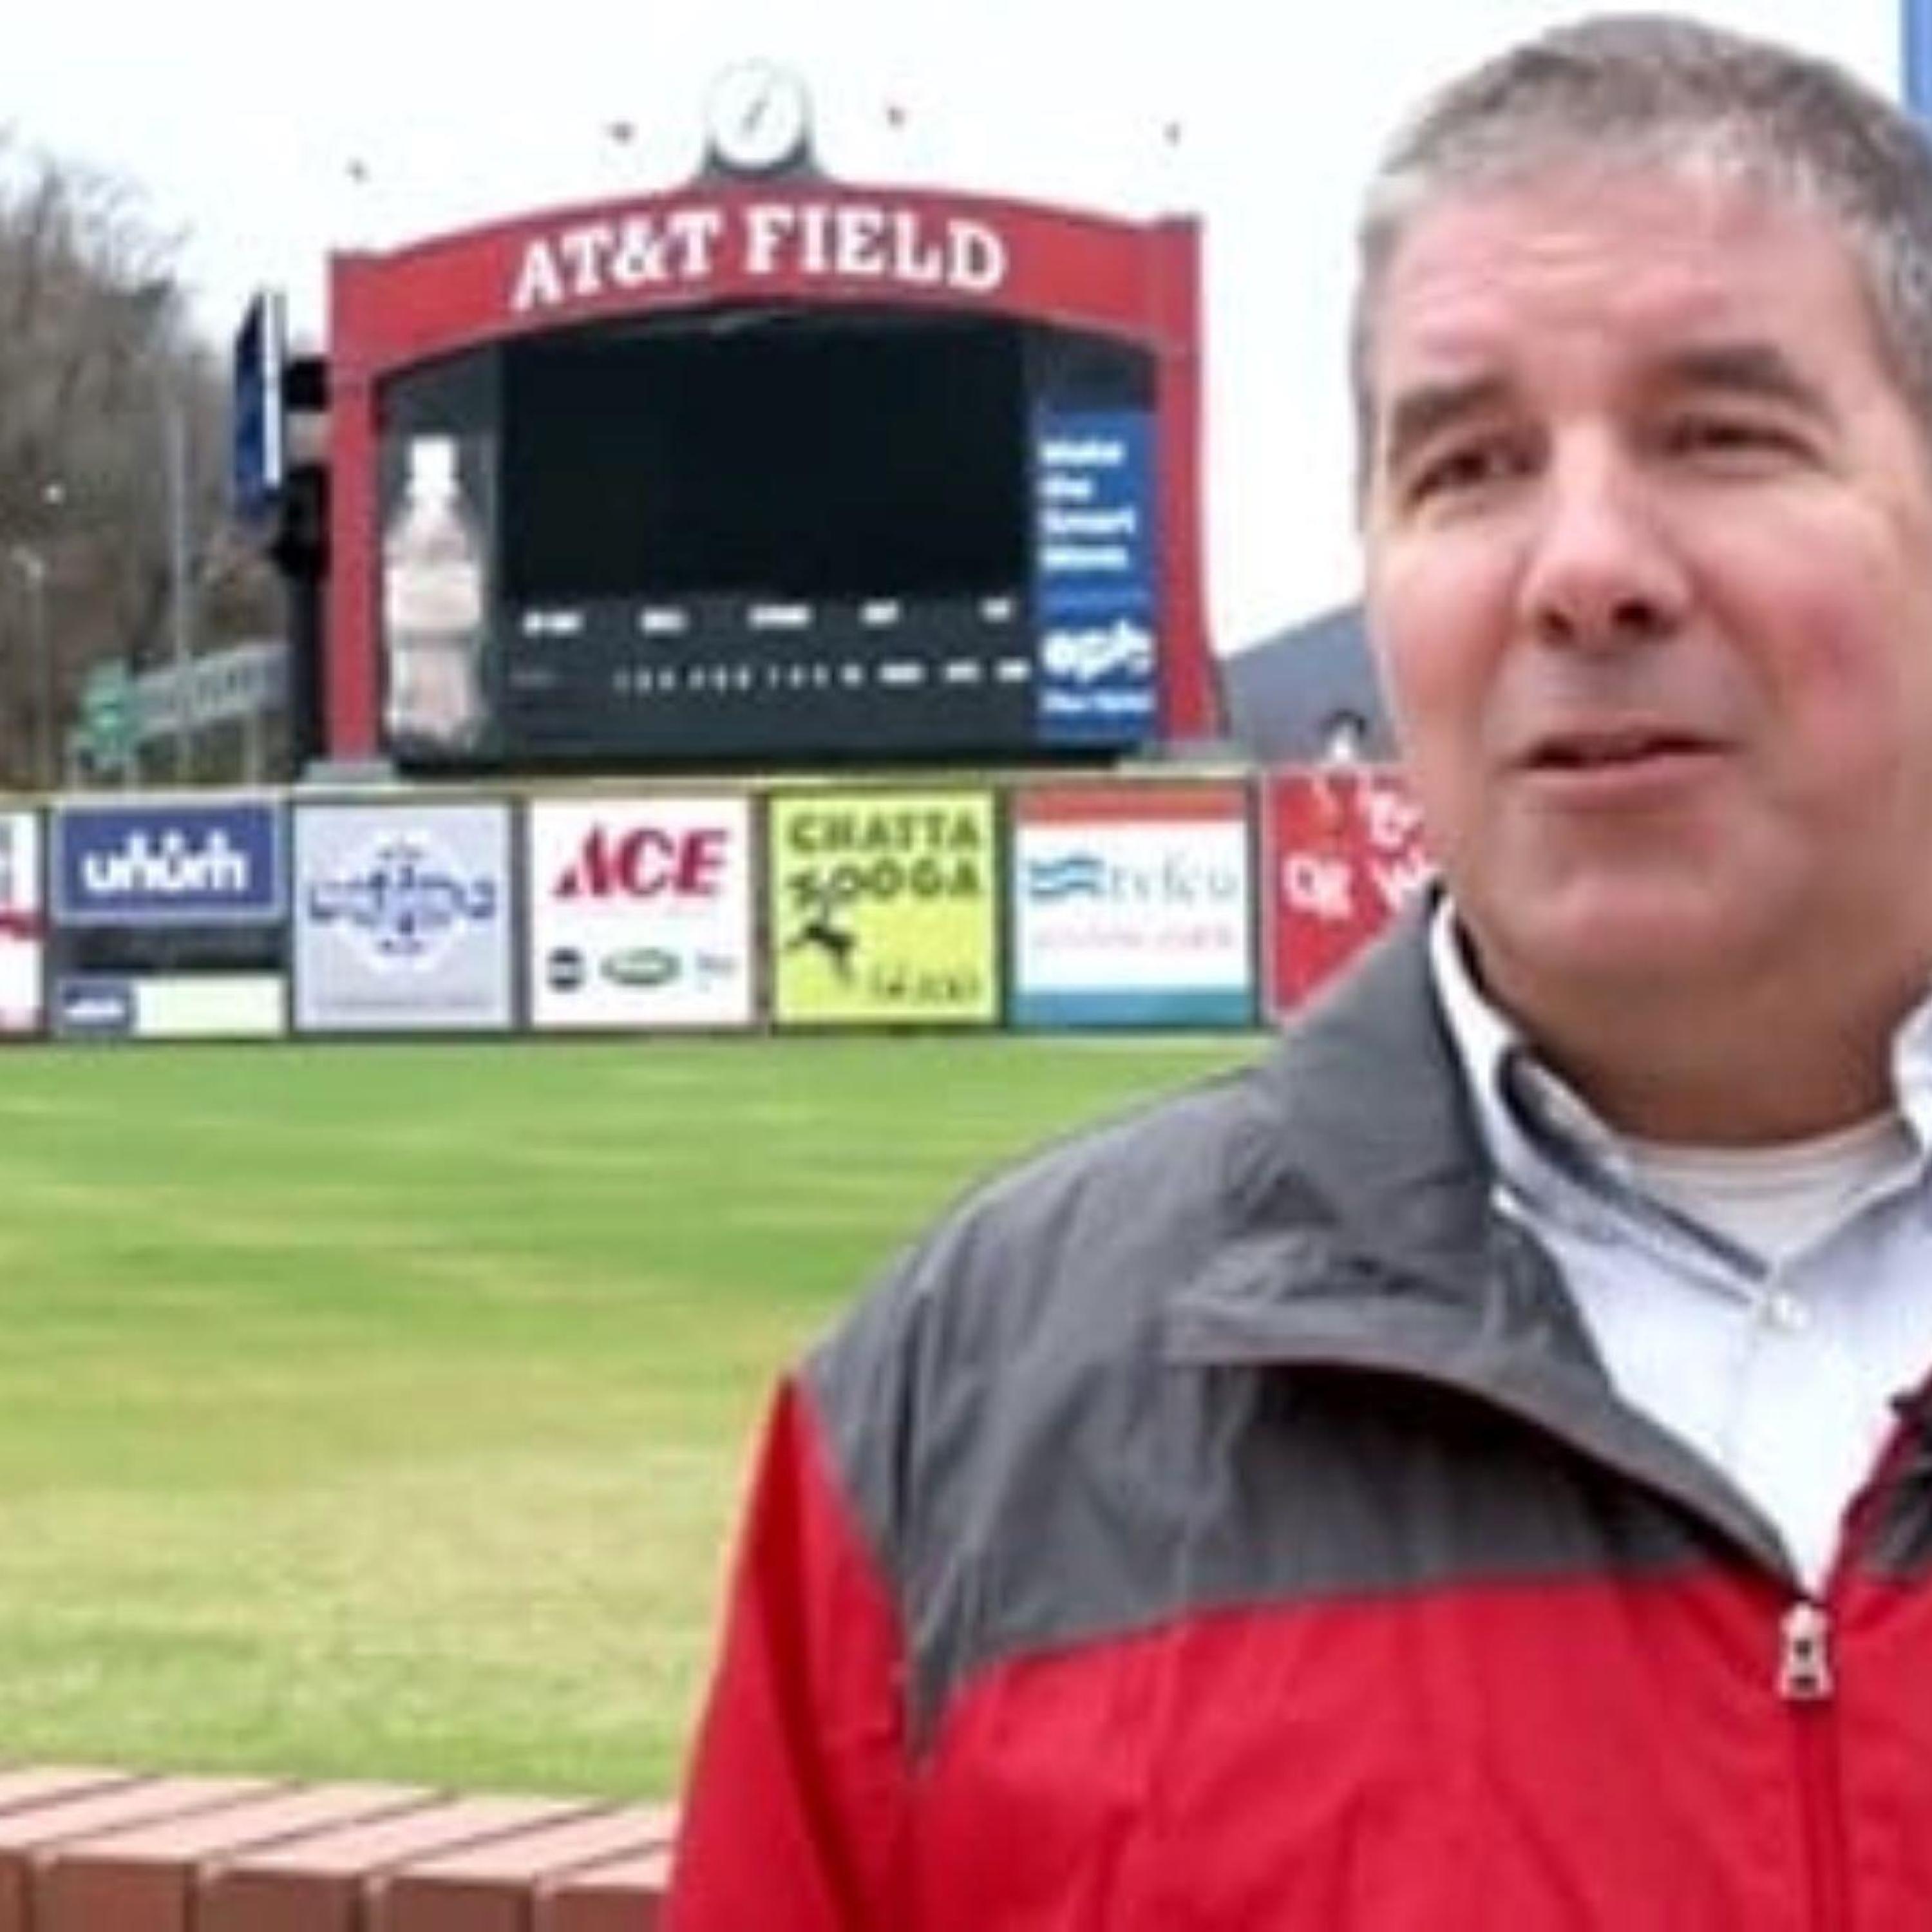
column 1094, row 588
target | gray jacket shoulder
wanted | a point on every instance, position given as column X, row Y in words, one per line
column 1079, row 1246
column 983, row 1406
column 1068, row 1250
column 1026, row 1330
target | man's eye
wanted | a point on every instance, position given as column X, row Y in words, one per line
column 1723, row 436
column 1455, row 472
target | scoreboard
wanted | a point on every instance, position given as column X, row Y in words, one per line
column 769, row 535
column 777, row 480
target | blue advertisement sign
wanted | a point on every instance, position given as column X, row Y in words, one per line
column 1094, row 593
column 94, row 1007
column 168, row 864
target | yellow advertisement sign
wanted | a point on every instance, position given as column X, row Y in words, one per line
column 884, row 908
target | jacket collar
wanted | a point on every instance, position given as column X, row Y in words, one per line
column 1368, row 1130
column 1364, row 1235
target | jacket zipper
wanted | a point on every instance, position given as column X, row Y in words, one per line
column 1805, row 1654
column 1805, row 1672
column 1807, row 1682
column 1804, row 1681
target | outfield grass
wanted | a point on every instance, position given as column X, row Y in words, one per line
column 381, row 1411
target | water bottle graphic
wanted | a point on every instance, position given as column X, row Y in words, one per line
column 433, row 603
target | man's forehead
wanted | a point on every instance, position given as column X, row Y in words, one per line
column 1636, row 267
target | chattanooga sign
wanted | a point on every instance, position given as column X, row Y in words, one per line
column 681, row 245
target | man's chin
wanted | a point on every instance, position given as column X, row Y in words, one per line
column 1637, row 942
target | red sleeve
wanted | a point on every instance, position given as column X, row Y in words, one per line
column 793, row 1815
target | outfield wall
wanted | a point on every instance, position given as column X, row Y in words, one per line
column 1169, row 901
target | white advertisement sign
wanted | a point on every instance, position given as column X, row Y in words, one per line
column 403, row 917
column 1131, row 921
column 170, row 1005
column 22, row 928
column 641, row 912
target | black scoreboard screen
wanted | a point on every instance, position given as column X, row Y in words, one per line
column 773, row 536
column 783, row 462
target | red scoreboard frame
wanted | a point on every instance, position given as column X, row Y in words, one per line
column 797, row 241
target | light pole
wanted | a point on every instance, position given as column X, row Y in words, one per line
column 150, row 305
column 33, row 568
column 180, row 616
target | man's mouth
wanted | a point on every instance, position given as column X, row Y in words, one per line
column 1597, row 750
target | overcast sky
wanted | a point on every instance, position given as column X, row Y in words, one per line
column 266, row 136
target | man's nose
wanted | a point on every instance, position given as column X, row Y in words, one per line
column 1602, row 572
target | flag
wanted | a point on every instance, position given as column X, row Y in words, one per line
column 1916, row 51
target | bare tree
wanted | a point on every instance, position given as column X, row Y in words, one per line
column 99, row 369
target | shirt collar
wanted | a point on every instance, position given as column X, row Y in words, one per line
column 1519, row 1100
column 1504, row 1077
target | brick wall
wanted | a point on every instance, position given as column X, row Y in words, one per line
column 88, row 1850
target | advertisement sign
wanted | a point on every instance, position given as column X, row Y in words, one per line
column 403, row 918
column 1093, row 574
column 22, row 932
column 438, row 541
column 641, row 912
column 169, row 1006
column 1344, row 852
column 677, row 248
column 165, row 862
column 1132, row 905
column 94, row 1006
column 883, row 908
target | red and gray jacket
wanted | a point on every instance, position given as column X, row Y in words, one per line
column 1223, row 1522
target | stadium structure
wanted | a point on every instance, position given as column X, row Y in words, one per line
column 765, row 471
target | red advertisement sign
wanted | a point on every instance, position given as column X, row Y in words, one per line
column 1343, row 852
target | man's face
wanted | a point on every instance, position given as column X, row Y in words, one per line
column 1649, row 544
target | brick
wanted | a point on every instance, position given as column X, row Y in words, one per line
column 321, row 1884
column 492, row 1888
column 145, row 1878
column 30, row 1833
column 42, row 1783
column 625, row 1895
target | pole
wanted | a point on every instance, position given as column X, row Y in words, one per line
column 174, row 432
column 44, row 657
column 33, row 568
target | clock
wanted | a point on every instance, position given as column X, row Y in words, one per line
column 758, row 115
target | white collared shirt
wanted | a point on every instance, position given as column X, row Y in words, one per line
column 1766, row 1306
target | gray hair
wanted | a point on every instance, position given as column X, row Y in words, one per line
column 1655, row 91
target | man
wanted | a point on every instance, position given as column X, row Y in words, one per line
column 1465, row 1473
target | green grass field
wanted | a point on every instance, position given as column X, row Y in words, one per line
column 382, row 1410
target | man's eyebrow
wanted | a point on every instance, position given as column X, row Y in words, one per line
column 1756, row 369
column 1419, row 414
column 1752, row 369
